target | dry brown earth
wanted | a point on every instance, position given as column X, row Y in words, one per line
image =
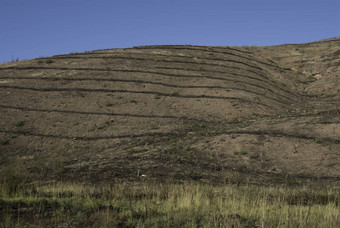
column 180, row 112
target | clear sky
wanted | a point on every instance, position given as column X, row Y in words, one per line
column 38, row 28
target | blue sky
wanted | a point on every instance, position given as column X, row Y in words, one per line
column 37, row 28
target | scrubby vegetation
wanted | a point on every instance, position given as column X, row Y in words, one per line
column 189, row 204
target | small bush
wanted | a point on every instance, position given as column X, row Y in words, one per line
column 15, row 60
column 154, row 127
column 318, row 140
column 4, row 142
column 254, row 156
column 19, row 123
column 270, row 60
column 242, row 152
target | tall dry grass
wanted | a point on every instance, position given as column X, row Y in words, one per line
column 169, row 205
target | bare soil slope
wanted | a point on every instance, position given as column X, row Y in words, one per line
column 181, row 112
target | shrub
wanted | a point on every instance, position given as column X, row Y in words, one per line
column 4, row 142
column 19, row 123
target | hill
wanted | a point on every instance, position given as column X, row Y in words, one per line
column 220, row 114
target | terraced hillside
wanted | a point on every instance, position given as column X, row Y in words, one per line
column 180, row 112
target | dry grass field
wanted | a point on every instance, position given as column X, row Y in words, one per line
column 221, row 131
column 169, row 205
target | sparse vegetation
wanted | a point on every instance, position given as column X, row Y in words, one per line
column 4, row 142
column 14, row 59
column 287, row 181
column 235, row 104
column 318, row 140
column 169, row 205
column 233, row 136
column 311, row 77
column 230, row 143
column 136, row 150
column 48, row 61
column 19, row 123
column 254, row 156
column 272, row 61
column 241, row 152
column 154, row 127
